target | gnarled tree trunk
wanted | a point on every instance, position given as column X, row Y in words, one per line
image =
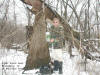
column 39, row 52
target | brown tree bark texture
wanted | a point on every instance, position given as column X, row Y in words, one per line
column 38, row 54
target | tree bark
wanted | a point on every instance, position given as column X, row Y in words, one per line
column 38, row 54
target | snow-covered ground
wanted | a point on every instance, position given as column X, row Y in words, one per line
column 12, row 62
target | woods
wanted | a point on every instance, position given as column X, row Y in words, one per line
column 79, row 20
column 70, row 35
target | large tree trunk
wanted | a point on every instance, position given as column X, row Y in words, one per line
column 39, row 52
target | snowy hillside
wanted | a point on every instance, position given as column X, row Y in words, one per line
column 12, row 62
